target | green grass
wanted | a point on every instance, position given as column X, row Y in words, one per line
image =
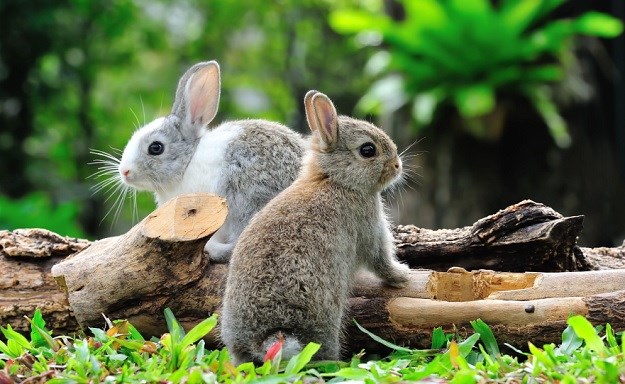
column 118, row 354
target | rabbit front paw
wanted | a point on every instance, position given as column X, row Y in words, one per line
column 399, row 276
column 218, row 252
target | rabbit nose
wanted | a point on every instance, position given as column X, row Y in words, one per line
column 125, row 172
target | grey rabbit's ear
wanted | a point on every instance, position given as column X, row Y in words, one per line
column 310, row 114
column 197, row 96
column 322, row 119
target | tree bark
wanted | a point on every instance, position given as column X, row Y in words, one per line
column 160, row 263
column 522, row 237
column 26, row 258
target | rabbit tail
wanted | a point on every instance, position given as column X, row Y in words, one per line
column 288, row 344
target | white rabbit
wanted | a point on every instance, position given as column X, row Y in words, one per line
column 247, row 162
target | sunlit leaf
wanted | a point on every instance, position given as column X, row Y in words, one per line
column 16, row 337
column 609, row 337
column 598, row 24
column 38, row 335
column 438, row 338
column 385, row 96
column 475, row 101
column 300, row 360
column 539, row 355
column 519, row 15
column 424, row 106
column 570, row 341
column 200, row 330
column 584, row 329
column 454, row 353
column 352, row 374
column 353, row 21
column 174, row 327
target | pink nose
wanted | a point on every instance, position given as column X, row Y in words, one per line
column 125, row 172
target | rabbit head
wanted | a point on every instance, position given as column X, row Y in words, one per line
column 352, row 153
column 158, row 154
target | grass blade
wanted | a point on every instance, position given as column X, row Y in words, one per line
column 299, row 361
column 438, row 338
column 199, row 331
column 584, row 329
column 382, row 341
column 487, row 337
column 570, row 341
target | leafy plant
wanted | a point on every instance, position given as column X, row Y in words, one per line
column 37, row 211
column 468, row 52
column 121, row 354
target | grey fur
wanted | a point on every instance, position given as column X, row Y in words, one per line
column 293, row 265
column 248, row 161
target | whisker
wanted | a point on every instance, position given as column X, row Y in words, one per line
column 135, row 210
column 105, row 155
column 137, row 121
column 411, row 145
column 143, row 109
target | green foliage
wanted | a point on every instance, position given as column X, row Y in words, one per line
column 36, row 210
column 107, row 67
column 121, row 354
column 468, row 53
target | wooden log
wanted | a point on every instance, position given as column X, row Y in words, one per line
column 540, row 302
column 410, row 321
column 159, row 263
column 26, row 258
column 151, row 267
column 520, row 307
column 603, row 258
column 526, row 236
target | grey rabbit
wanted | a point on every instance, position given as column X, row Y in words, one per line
column 291, row 270
column 248, row 161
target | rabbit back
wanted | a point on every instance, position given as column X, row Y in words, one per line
column 291, row 271
column 264, row 160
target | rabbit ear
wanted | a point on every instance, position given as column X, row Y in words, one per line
column 310, row 114
column 197, row 96
column 326, row 120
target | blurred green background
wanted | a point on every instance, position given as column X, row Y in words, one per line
column 507, row 100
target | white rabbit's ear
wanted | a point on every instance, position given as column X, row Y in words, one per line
column 326, row 120
column 197, row 96
column 310, row 113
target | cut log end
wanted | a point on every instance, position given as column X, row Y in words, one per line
column 186, row 218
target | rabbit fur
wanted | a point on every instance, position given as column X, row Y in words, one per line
column 247, row 162
column 292, row 268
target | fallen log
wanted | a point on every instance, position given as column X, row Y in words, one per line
column 26, row 258
column 526, row 236
column 159, row 263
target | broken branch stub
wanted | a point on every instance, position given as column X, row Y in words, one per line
column 526, row 236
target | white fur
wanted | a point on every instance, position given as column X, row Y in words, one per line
column 206, row 169
column 131, row 155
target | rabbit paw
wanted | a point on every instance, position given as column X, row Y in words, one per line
column 399, row 276
column 218, row 252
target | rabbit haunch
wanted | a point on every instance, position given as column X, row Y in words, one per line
column 247, row 162
column 292, row 268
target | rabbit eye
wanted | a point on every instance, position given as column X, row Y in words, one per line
column 156, row 148
column 367, row 150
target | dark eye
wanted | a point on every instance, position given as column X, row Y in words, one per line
column 156, row 148
column 367, row 150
